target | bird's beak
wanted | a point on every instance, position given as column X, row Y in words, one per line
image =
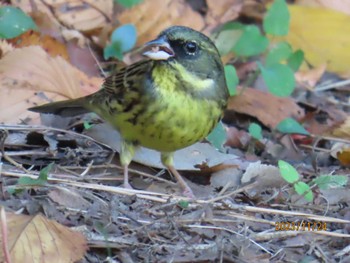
column 158, row 49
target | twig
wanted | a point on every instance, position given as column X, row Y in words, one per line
column 332, row 85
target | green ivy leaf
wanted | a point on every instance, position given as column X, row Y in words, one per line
column 295, row 60
column 330, row 181
column 303, row 189
column 255, row 131
column 123, row 39
column 279, row 79
column 41, row 180
column 231, row 79
column 289, row 125
column 251, row 42
column 128, row 3
column 288, row 172
column 277, row 18
column 183, row 204
column 279, row 53
column 227, row 37
column 87, row 125
column 217, row 137
column 14, row 22
column 43, row 175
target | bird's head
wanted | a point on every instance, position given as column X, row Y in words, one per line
column 188, row 51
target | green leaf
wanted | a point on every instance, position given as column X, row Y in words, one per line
column 183, row 204
column 113, row 50
column 14, row 22
column 128, row 3
column 227, row 37
column 123, row 39
column 279, row 53
column 87, row 125
column 231, row 79
column 303, row 189
column 251, row 42
column 255, row 131
column 45, row 172
column 41, row 180
column 295, row 60
column 217, row 137
column 289, row 125
column 288, row 172
column 279, row 79
column 30, row 181
column 277, row 18
column 330, row 181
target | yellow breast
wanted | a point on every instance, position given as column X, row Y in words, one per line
column 170, row 118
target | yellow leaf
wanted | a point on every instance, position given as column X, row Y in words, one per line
column 324, row 36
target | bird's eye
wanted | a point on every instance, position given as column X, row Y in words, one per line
column 191, row 47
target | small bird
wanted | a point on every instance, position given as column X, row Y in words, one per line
column 171, row 100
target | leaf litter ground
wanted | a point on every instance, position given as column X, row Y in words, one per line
column 234, row 224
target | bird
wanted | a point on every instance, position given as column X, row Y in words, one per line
column 170, row 99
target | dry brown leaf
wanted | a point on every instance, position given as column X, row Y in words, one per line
column 220, row 12
column 26, row 71
column 341, row 151
column 152, row 16
column 309, row 78
column 75, row 14
column 338, row 5
column 5, row 47
column 343, row 130
column 36, row 6
column 264, row 106
column 48, row 43
column 68, row 198
column 38, row 239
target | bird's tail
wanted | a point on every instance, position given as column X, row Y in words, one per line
column 66, row 108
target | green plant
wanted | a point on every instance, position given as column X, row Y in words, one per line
column 291, row 175
column 128, row 3
column 27, row 181
column 122, row 39
column 279, row 61
column 14, row 22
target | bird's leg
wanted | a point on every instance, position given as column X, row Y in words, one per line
column 127, row 152
column 126, row 177
column 167, row 160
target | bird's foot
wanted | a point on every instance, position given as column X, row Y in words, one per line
column 127, row 185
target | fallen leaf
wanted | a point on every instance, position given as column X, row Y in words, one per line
column 267, row 108
column 338, row 5
column 164, row 13
column 38, row 239
column 323, row 35
column 309, row 78
column 49, row 44
column 343, row 130
column 80, row 15
column 220, row 12
column 26, row 71
column 341, row 152
column 184, row 159
column 68, row 198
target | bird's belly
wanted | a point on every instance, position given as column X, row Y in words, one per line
column 170, row 126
